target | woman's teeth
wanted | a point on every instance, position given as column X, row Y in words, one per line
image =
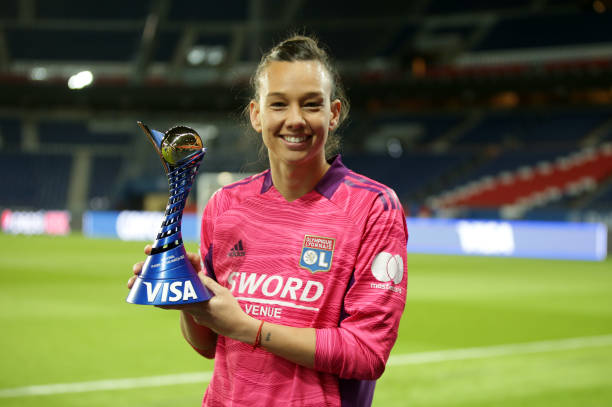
column 293, row 139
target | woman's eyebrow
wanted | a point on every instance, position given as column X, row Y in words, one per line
column 305, row 96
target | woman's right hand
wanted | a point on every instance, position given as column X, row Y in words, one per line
column 194, row 258
column 137, row 267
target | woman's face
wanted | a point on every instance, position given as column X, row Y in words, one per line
column 294, row 113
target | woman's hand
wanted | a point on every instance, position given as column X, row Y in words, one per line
column 222, row 313
column 194, row 258
column 137, row 268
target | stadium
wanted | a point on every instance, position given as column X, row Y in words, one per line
column 492, row 121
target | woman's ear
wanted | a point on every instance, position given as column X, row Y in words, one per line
column 335, row 107
column 255, row 116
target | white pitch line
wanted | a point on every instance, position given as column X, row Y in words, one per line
column 112, row 384
column 394, row 360
column 500, row 350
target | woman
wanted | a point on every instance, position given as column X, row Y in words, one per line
column 307, row 260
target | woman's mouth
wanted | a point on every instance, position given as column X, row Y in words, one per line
column 295, row 139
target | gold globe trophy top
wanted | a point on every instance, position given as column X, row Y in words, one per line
column 180, row 144
column 175, row 146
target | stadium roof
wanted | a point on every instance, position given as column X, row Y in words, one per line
column 177, row 55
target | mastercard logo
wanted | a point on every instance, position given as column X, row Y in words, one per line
column 387, row 267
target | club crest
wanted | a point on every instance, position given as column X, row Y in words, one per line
column 317, row 253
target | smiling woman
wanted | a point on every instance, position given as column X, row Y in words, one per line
column 298, row 104
column 294, row 114
column 300, row 317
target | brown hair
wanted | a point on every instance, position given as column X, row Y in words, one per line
column 305, row 48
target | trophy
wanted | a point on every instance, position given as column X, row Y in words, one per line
column 167, row 276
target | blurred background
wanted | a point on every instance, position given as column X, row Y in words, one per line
column 473, row 109
column 492, row 120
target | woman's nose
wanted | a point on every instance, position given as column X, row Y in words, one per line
column 294, row 119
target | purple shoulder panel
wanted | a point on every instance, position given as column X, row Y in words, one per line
column 383, row 189
column 332, row 178
column 267, row 182
column 371, row 189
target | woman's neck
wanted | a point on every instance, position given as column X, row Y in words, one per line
column 295, row 181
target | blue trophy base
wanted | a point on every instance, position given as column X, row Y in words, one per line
column 168, row 278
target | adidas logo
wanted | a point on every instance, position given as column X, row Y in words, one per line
column 237, row 250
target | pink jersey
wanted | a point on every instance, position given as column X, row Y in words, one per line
column 334, row 260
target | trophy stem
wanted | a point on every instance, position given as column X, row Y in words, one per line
column 180, row 181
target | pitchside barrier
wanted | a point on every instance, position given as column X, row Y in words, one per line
column 532, row 239
column 35, row 222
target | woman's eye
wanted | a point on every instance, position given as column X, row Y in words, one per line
column 277, row 104
column 313, row 105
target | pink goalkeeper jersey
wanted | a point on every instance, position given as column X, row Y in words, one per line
column 334, row 260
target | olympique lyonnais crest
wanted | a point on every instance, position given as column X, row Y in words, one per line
column 317, row 253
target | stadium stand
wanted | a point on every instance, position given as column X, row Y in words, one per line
column 34, row 181
column 450, row 6
column 529, row 186
column 71, row 133
column 104, row 177
column 408, row 174
column 601, row 199
column 547, row 30
column 415, row 129
column 425, row 79
column 42, row 44
column 564, row 128
column 10, row 134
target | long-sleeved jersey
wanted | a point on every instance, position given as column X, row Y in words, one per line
column 333, row 260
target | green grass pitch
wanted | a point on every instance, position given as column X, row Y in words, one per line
column 64, row 319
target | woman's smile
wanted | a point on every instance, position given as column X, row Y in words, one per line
column 296, row 141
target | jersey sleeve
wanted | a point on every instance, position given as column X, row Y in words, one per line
column 206, row 234
column 373, row 305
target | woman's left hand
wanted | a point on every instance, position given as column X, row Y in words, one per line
column 222, row 313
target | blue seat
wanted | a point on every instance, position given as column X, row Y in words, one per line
column 34, row 181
